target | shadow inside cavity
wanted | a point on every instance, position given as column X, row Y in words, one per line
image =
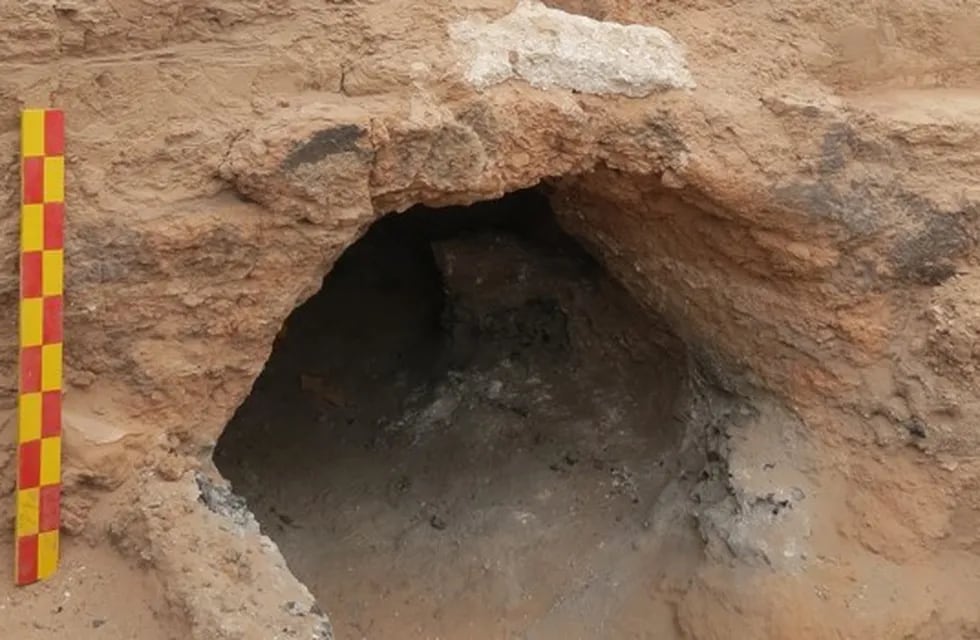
column 465, row 428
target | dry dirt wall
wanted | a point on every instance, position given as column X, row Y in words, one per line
column 805, row 212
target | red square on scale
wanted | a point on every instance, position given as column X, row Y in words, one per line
column 33, row 180
column 29, row 464
column 31, row 274
column 50, row 414
column 27, row 560
column 49, row 518
column 54, row 225
column 54, row 132
column 52, row 322
column 30, row 369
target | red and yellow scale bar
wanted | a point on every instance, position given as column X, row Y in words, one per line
column 39, row 401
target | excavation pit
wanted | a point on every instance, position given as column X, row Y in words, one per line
column 465, row 433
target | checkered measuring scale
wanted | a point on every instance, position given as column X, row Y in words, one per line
column 42, row 259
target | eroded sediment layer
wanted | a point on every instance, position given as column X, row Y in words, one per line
column 805, row 217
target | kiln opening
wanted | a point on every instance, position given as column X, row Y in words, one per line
column 465, row 432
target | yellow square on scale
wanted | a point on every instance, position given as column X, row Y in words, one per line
column 54, row 179
column 32, row 227
column 32, row 132
column 51, row 367
column 50, row 460
column 31, row 322
column 47, row 554
column 29, row 417
column 28, row 511
column 52, row 272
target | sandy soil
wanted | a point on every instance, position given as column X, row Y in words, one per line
column 96, row 595
column 807, row 219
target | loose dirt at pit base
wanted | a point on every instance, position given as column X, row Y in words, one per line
column 97, row 595
column 474, row 448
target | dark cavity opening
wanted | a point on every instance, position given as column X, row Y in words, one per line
column 464, row 433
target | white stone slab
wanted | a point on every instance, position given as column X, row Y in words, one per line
column 549, row 48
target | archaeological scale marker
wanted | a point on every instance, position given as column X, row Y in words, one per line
column 42, row 256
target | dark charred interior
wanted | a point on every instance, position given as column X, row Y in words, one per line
column 465, row 432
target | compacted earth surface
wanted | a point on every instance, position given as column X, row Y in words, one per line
column 465, row 434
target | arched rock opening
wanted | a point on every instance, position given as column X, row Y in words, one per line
column 809, row 214
column 467, row 431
